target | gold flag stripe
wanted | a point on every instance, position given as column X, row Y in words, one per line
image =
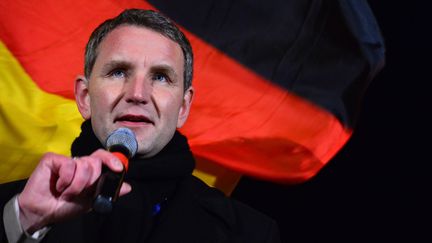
column 32, row 121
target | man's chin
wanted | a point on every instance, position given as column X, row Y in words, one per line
column 146, row 153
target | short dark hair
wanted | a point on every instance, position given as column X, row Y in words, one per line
column 142, row 18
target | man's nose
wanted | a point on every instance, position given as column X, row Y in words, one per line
column 138, row 90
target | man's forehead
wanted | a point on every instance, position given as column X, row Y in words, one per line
column 130, row 41
column 138, row 34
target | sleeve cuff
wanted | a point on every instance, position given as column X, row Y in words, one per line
column 13, row 228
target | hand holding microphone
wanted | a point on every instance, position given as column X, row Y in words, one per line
column 121, row 143
column 61, row 187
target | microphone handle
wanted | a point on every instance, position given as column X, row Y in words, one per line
column 108, row 189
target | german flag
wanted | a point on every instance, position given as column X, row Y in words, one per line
column 278, row 84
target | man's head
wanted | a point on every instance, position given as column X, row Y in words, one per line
column 138, row 73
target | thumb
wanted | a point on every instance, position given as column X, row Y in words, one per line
column 125, row 189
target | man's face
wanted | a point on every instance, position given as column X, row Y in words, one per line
column 136, row 82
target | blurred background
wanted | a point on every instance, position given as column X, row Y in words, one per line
column 374, row 190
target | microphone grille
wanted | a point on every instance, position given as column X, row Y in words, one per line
column 124, row 138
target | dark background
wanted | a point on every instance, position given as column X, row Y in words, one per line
column 376, row 189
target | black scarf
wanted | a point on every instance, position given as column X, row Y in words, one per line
column 173, row 161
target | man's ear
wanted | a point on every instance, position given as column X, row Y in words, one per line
column 82, row 97
column 185, row 108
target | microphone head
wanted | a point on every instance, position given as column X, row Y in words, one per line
column 122, row 140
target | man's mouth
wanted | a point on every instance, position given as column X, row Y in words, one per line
column 133, row 119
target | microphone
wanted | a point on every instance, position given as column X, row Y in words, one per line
column 122, row 143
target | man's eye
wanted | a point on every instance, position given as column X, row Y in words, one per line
column 160, row 77
column 118, row 73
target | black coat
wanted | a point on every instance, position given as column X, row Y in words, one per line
column 196, row 213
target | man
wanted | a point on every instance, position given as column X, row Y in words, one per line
column 138, row 73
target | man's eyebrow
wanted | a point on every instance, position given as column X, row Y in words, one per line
column 109, row 66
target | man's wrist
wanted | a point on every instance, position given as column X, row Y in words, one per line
column 27, row 219
column 13, row 227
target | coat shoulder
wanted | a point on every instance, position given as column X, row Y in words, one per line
column 244, row 223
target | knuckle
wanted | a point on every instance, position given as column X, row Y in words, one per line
column 47, row 156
